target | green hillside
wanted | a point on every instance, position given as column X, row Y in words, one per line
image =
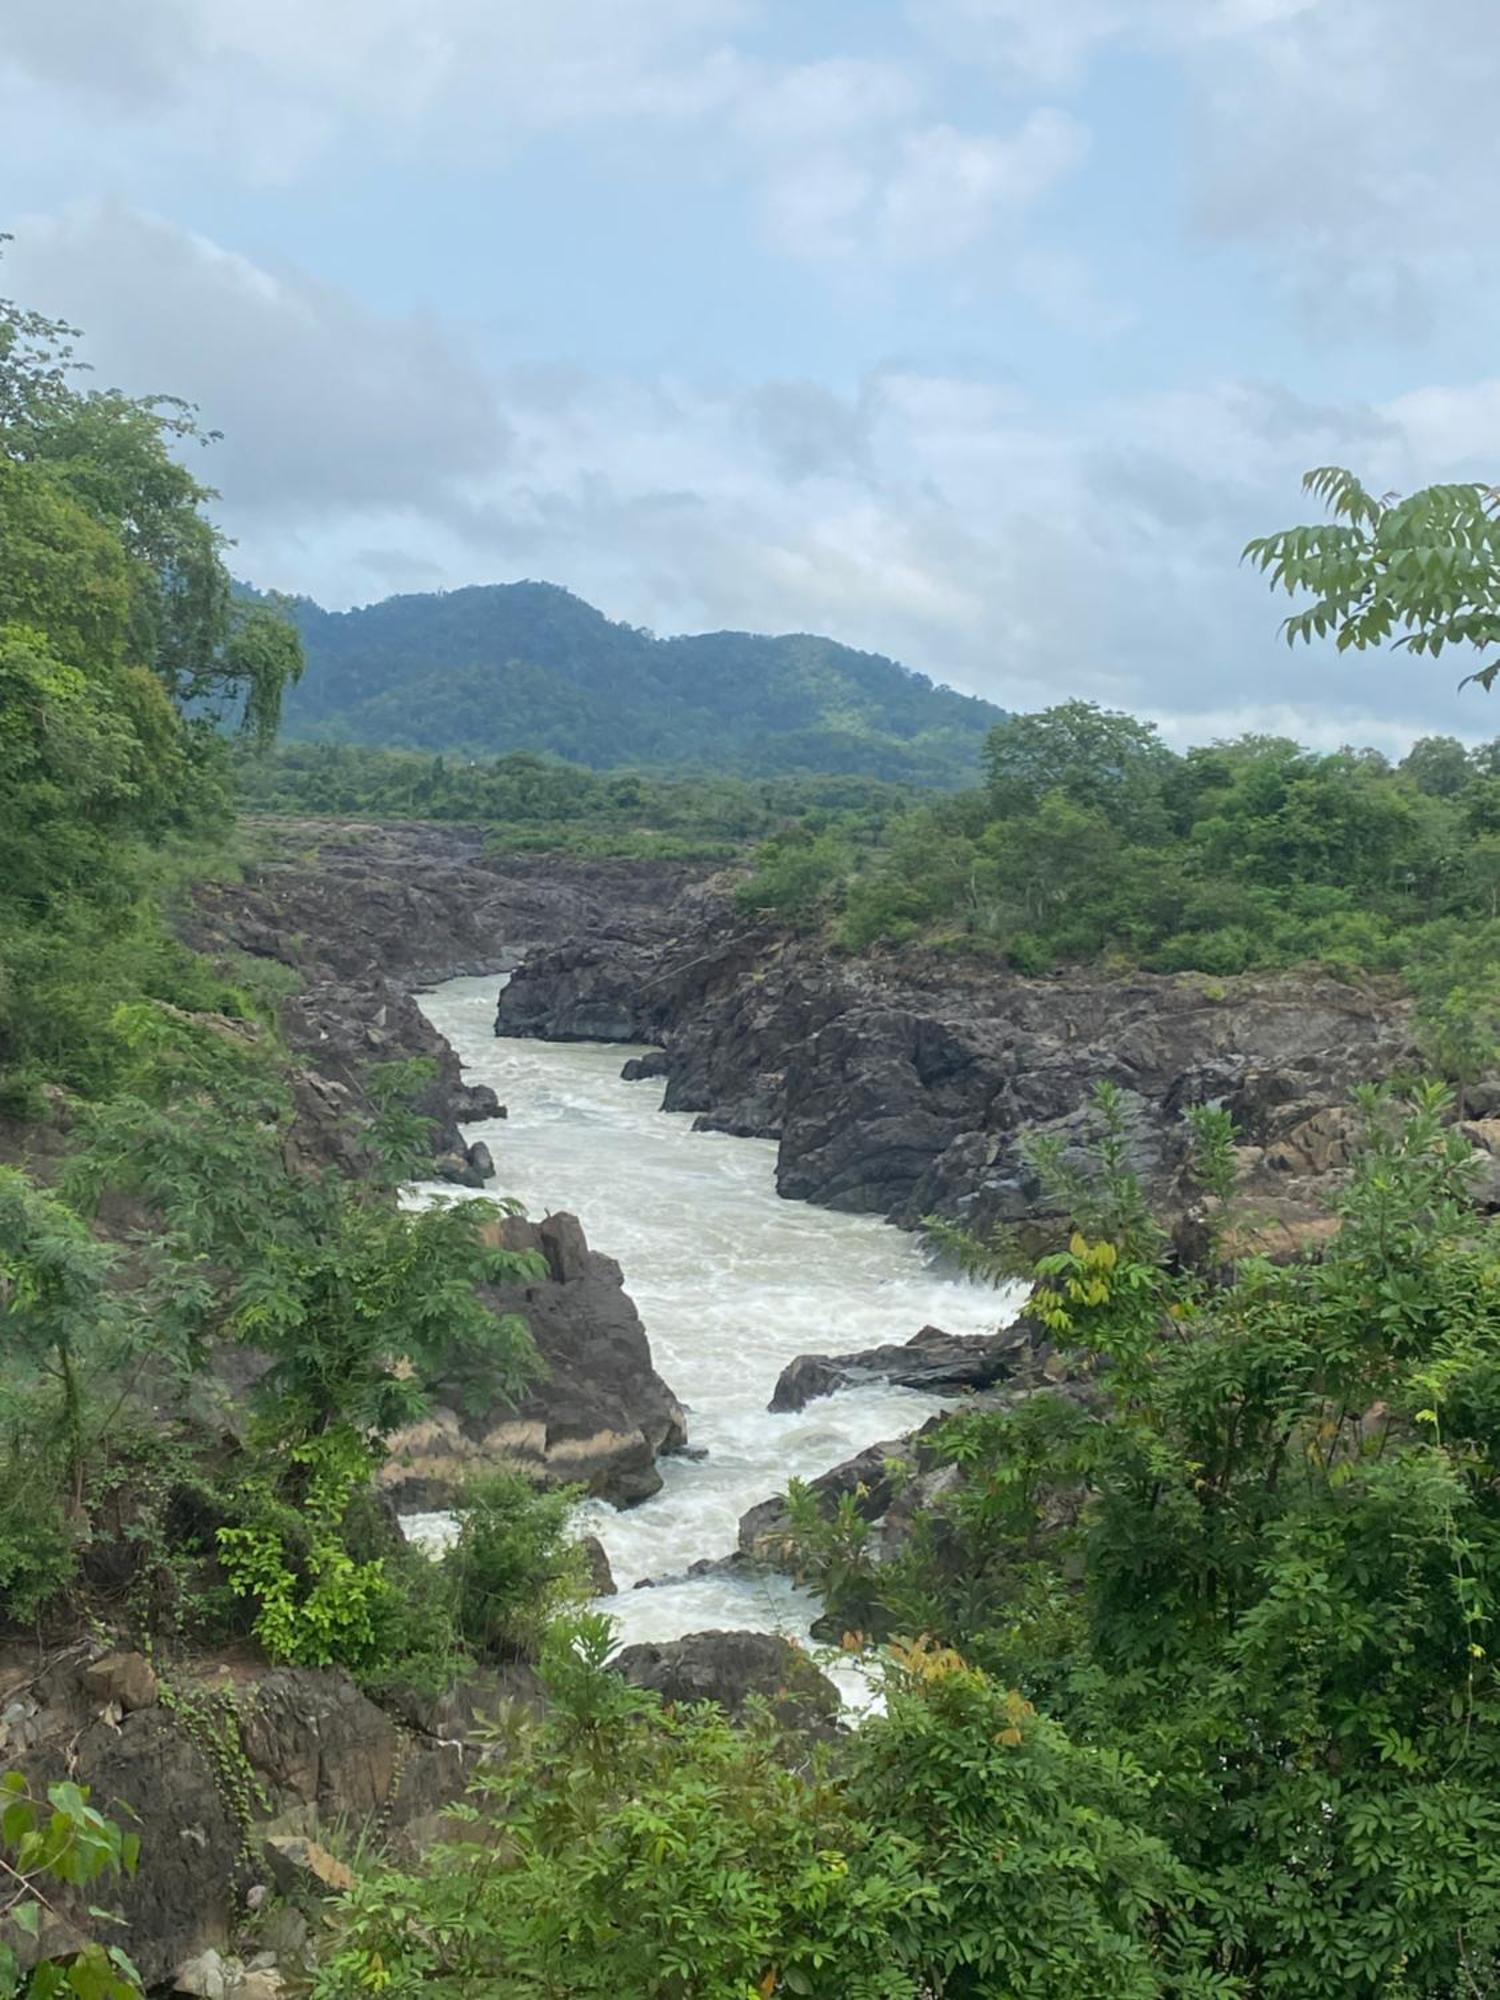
column 527, row 666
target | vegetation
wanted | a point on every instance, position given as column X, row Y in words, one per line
column 119, row 642
column 1092, row 840
column 61, row 1842
column 1255, row 1561
column 960, row 1846
column 175, row 1218
column 1426, row 567
column 1191, row 1664
column 526, row 666
column 534, row 804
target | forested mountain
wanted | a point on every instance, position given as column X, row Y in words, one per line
column 529, row 666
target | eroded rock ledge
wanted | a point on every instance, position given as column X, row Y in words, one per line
column 902, row 1087
column 599, row 1416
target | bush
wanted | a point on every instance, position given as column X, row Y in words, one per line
column 628, row 1849
column 512, row 1566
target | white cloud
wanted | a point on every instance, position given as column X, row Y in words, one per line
column 323, row 404
column 1454, row 432
column 1353, row 143
column 842, row 155
column 914, row 193
column 950, row 186
column 937, row 516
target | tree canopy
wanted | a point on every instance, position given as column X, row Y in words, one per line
column 121, row 647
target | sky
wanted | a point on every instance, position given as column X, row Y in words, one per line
column 982, row 333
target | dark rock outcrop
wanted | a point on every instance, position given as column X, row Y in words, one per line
column 944, row 1364
column 601, row 1577
column 732, row 1669
column 903, row 1087
column 215, row 1770
column 365, row 915
column 599, row 1416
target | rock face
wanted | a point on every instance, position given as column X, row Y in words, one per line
column 902, row 1088
column 226, row 1780
column 598, row 1418
column 366, row 915
column 731, row 1668
column 944, row 1364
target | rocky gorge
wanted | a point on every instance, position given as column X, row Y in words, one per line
column 900, row 1087
column 891, row 1089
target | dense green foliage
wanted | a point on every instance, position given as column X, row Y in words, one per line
column 60, row 1842
column 1092, row 839
column 538, row 804
column 1258, row 1558
column 961, row 1846
column 119, row 637
column 180, row 1221
column 527, row 666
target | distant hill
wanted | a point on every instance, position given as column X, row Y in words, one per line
column 528, row 666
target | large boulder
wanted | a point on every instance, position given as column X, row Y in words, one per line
column 943, row 1364
column 732, row 1669
column 598, row 1418
column 235, row 1780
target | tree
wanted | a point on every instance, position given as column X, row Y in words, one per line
column 116, row 457
column 120, row 641
column 1426, row 568
column 1097, row 758
column 57, row 1313
column 1437, row 765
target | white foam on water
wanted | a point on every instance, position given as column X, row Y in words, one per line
column 731, row 1282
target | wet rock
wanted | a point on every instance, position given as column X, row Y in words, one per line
column 640, row 1069
column 941, row 1363
column 598, row 1418
column 458, row 1170
column 601, row 1578
column 871, row 1477
column 481, row 1160
column 732, row 1668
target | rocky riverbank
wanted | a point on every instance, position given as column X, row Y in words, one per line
column 598, row 1417
column 899, row 1087
column 903, row 1087
column 364, row 916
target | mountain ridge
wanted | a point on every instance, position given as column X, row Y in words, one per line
column 486, row 669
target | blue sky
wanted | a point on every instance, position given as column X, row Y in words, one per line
column 979, row 332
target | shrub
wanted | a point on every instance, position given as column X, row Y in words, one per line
column 512, row 1565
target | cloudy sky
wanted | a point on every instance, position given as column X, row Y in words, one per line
column 979, row 332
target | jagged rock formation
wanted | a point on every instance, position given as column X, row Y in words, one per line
column 222, row 1775
column 597, row 1418
column 367, row 915
column 902, row 1088
column 941, row 1364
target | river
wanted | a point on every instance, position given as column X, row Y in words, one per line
column 731, row 1282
